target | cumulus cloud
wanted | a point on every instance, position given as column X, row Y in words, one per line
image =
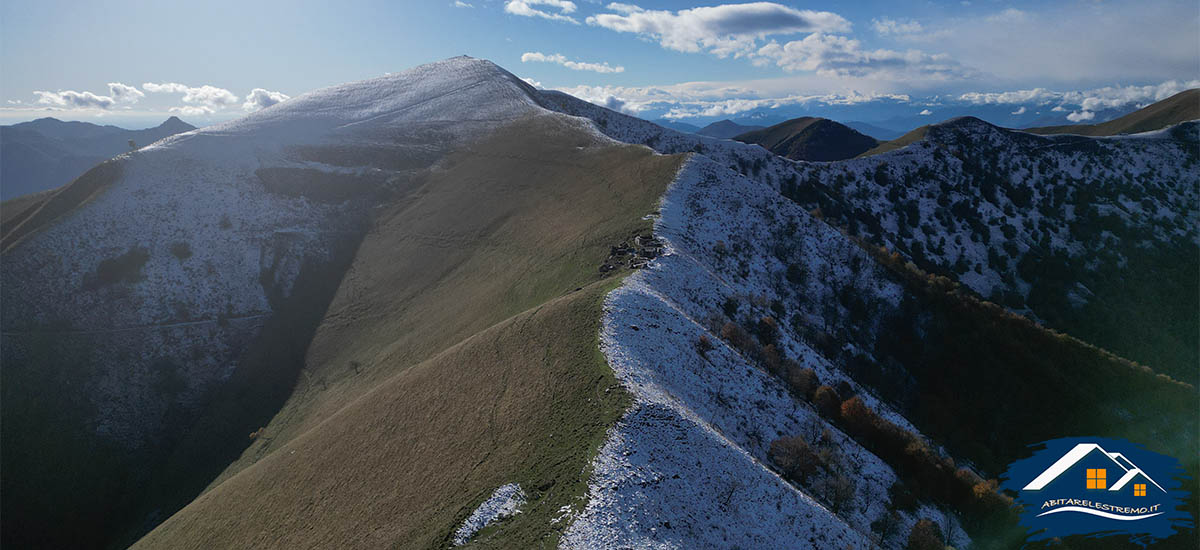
column 840, row 56
column 699, row 99
column 74, row 100
column 1020, row 111
column 210, row 97
column 724, row 30
column 907, row 30
column 1109, row 97
column 527, row 8
column 461, row 4
column 124, row 93
column 1080, row 116
column 560, row 59
column 260, row 98
column 925, row 112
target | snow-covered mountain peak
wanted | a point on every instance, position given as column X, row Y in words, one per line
column 459, row 90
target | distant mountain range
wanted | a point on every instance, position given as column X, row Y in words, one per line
column 898, row 117
column 46, row 153
column 809, row 138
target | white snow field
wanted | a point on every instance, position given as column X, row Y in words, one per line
column 505, row 501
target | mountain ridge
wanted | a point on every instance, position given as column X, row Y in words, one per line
column 412, row 290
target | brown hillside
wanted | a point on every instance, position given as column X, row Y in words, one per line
column 809, row 138
column 902, row 141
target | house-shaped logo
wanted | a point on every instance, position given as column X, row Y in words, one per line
column 1094, row 469
column 1094, row 485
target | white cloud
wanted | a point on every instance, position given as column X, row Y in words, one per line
column 533, row 83
column 124, row 93
column 700, row 99
column 1036, row 95
column 1020, row 111
column 74, row 100
column 1109, row 97
column 1080, row 116
column 560, row 59
column 888, row 26
column 907, row 30
column 925, row 112
column 210, row 97
column 724, row 30
column 192, row 110
column 260, row 98
column 840, row 56
column 526, row 8
column 461, row 4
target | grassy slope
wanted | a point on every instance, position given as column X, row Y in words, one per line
column 518, row 221
column 1180, row 107
column 526, row 401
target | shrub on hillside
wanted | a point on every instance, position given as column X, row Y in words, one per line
column 839, row 492
column 859, row 418
column 925, row 535
column 802, row 381
column 794, row 457
column 772, row 360
column 827, row 401
column 738, row 338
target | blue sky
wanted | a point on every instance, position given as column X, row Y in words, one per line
column 687, row 60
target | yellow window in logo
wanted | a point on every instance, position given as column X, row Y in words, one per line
column 1096, row 478
column 1139, row 489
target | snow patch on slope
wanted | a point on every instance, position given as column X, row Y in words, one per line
column 506, row 501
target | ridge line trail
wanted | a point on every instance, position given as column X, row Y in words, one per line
column 130, row 328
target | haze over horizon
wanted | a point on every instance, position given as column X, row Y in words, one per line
column 1017, row 63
